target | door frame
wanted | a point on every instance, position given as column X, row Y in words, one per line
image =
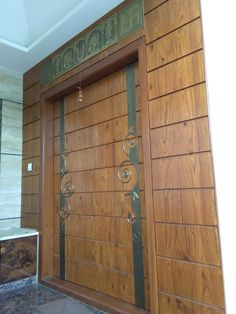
column 134, row 52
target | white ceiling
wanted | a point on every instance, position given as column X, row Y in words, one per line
column 32, row 29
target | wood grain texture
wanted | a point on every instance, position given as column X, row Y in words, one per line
column 31, row 95
column 31, row 131
column 181, row 42
column 30, row 204
column 31, row 113
column 109, row 282
column 185, row 206
column 170, row 16
column 31, row 148
column 30, row 221
column 150, row 5
column 182, row 138
column 32, row 76
column 180, row 106
column 114, row 204
column 30, row 185
column 188, row 171
column 174, row 76
column 172, row 305
column 194, row 281
column 190, row 243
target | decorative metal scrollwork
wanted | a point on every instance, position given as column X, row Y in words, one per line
column 67, row 188
column 124, row 172
column 130, row 141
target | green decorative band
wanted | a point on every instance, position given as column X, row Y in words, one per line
column 62, row 197
column 135, row 193
column 129, row 19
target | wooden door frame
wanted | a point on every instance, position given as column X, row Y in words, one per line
column 134, row 52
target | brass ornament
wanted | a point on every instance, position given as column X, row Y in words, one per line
column 125, row 173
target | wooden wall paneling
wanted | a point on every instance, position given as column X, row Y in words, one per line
column 31, row 113
column 182, row 138
column 31, row 95
column 30, row 203
column 174, row 76
column 31, row 131
column 46, row 189
column 153, row 278
column 31, row 148
column 196, row 206
column 170, row 16
column 30, row 220
column 150, row 5
column 193, row 281
column 35, row 166
column 187, row 171
column 183, row 41
column 189, row 243
column 171, row 304
column 31, row 77
column 30, row 184
column 180, row 106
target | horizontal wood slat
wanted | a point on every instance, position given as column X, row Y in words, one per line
column 192, row 281
column 172, row 305
column 31, row 131
column 31, row 148
column 190, row 171
column 183, row 41
column 185, row 206
column 180, row 106
column 170, row 16
column 182, row 138
column 31, row 113
column 31, row 95
column 177, row 75
column 190, row 243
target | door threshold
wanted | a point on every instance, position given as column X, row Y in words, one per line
column 93, row 298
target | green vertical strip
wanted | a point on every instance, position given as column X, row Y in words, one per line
column 135, row 193
column 62, row 198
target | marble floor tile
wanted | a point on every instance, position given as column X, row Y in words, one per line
column 38, row 299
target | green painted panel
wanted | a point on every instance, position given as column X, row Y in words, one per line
column 118, row 26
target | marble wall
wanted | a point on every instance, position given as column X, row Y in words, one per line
column 11, row 91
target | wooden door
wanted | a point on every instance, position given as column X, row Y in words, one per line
column 95, row 246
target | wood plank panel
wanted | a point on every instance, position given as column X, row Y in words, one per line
column 110, row 108
column 35, row 166
column 104, row 133
column 182, row 138
column 180, row 106
column 31, row 148
column 170, row 16
column 107, row 255
column 185, row 206
column 30, row 221
column 31, row 95
column 172, row 305
column 97, row 91
column 99, row 180
column 31, row 131
column 181, row 42
column 190, row 243
column 194, row 281
column 177, row 75
column 114, row 204
column 112, row 283
column 31, row 113
column 109, row 155
column 150, row 5
column 109, row 229
column 30, row 203
column 32, row 76
column 30, row 185
column 190, row 171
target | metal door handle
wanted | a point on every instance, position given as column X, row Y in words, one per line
column 131, row 218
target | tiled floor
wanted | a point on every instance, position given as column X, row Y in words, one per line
column 38, row 299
